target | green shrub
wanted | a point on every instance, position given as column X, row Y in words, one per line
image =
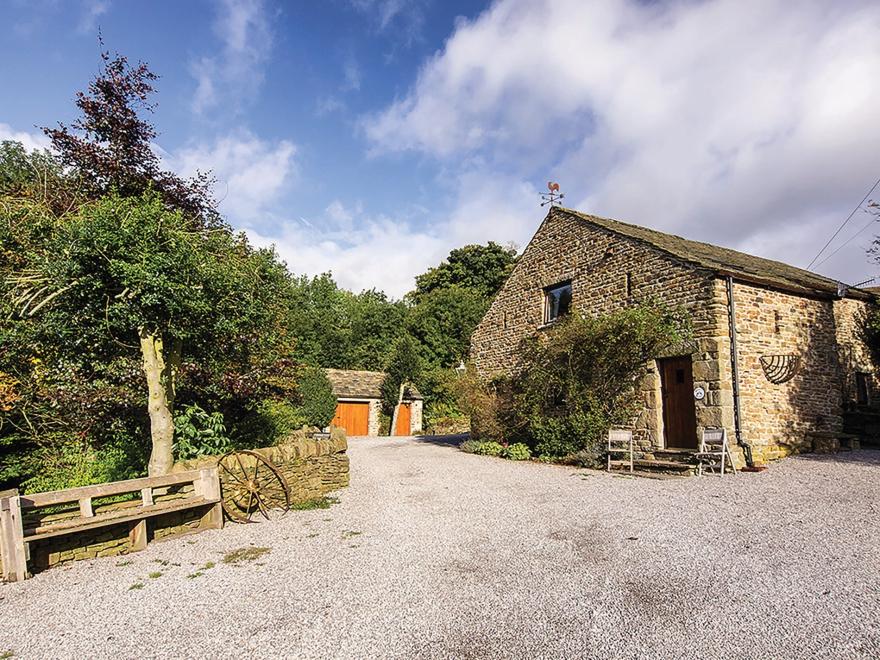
column 317, row 401
column 517, row 452
column 574, row 382
column 489, row 448
column 270, row 421
column 470, row 446
column 73, row 464
column 199, row 433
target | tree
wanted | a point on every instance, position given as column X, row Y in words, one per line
column 443, row 322
column 157, row 281
column 482, row 268
column 110, row 146
column 404, row 366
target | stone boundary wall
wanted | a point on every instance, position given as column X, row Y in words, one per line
column 311, row 467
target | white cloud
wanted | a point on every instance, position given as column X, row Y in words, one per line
column 747, row 124
column 406, row 18
column 92, row 11
column 361, row 251
column 236, row 72
column 252, row 174
column 30, row 141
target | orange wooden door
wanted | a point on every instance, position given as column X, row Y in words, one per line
column 404, row 416
column 353, row 417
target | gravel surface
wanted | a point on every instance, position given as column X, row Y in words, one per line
column 435, row 553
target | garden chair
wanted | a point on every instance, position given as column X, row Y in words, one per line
column 714, row 452
column 620, row 442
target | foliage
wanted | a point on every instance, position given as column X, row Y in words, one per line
column 338, row 329
column 199, row 433
column 317, row 401
column 443, row 321
column 479, row 268
column 470, row 446
column 441, row 413
column 404, row 366
column 110, row 145
column 482, row 402
column 267, row 423
column 517, row 452
column 488, row 448
column 63, row 464
column 576, row 380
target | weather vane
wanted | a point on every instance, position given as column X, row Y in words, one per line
column 553, row 196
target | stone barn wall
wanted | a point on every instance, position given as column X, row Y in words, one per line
column 607, row 274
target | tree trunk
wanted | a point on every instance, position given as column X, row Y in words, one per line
column 160, row 386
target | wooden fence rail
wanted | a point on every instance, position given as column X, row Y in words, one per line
column 21, row 524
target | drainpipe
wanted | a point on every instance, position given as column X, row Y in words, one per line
column 734, row 368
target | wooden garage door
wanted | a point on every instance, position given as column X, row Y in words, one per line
column 353, row 417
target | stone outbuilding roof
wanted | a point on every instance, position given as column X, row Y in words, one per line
column 724, row 261
column 348, row 383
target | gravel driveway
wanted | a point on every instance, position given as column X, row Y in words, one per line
column 436, row 553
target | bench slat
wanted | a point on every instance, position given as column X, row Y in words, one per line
column 104, row 490
column 114, row 518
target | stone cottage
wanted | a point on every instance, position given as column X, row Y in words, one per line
column 777, row 355
column 359, row 403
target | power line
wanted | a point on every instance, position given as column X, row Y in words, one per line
column 839, row 229
column 847, row 241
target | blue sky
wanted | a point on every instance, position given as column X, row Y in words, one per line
column 369, row 137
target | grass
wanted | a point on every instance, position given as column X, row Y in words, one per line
column 347, row 534
column 155, row 574
column 319, row 503
column 5, row 655
column 127, row 562
column 136, row 586
column 193, row 576
column 208, row 565
column 244, row 554
column 163, row 562
column 311, row 536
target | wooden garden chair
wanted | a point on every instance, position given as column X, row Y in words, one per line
column 620, row 442
column 714, row 452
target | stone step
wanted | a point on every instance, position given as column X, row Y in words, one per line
column 654, row 467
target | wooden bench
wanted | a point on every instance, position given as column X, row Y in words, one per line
column 18, row 529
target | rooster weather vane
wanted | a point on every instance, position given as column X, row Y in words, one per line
column 553, row 195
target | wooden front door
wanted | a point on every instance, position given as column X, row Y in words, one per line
column 354, row 417
column 404, row 417
column 679, row 413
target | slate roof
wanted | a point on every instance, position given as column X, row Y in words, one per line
column 724, row 261
column 348, row 383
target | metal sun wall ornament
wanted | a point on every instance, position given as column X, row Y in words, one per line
column 553, row 195
column 780, row 368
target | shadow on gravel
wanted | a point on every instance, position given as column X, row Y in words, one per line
column 860, row 456
column 443, row 440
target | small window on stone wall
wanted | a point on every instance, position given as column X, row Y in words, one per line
column 557, row 301
column 863, row 395
column 777, row 322
column 629, row 284
column 505, row 320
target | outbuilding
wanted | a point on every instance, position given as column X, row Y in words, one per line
column 359, row 403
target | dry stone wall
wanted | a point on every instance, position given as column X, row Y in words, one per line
column 311, row 467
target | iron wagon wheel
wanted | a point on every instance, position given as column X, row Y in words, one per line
column 251, row 484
